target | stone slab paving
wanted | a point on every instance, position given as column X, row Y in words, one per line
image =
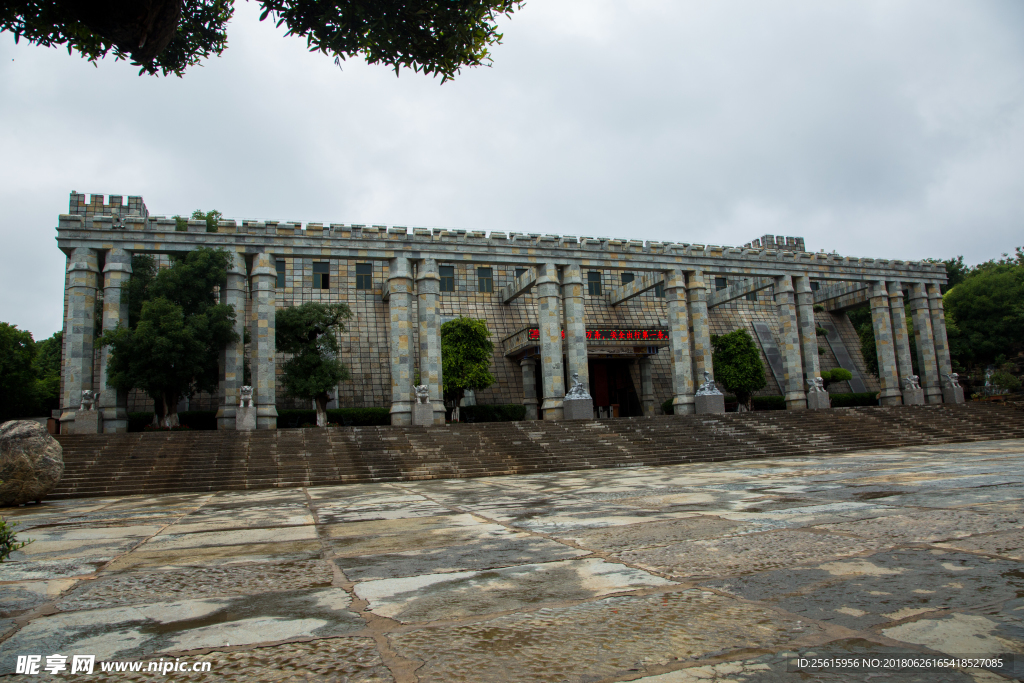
column 704, row 572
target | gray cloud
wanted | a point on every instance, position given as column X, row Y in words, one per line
column 868, row 127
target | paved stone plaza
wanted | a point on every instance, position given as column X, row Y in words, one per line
column 704, row 572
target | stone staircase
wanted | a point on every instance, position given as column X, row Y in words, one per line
column 180, row 462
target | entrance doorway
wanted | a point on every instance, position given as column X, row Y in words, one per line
column 612, row 387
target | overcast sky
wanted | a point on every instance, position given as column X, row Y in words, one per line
column 885, row 128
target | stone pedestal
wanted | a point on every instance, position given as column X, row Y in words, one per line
column 709, row 403
column 87, row 422
column 951, row 395
column 818, row 400
column 578, row 409
column 422, row 414
column 245, row 418
column 913, row 397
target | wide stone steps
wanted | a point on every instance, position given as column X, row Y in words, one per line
column 178, row 462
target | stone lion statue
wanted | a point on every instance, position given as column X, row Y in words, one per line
column 817, row 384
column 708, row 388
column 246, row 400
column 89, row 398
column 577, row 390
column 422, row 393
column 913, row 382
column 953, row 380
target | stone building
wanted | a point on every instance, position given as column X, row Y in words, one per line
column 632, row 318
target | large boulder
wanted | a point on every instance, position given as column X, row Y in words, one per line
column 31, row 462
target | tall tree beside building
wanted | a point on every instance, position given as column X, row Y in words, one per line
column 173, row 350
column 466, row 352
column 738, row 364
column 310, row 332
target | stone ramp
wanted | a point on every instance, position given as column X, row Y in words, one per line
column 184, row 462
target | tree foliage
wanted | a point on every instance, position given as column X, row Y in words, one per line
column 466, row 353
column 173, row 349
column 18, row 395
column 987, row 312
column 738, row 364
column 309, row 332
column 29, row 373
column 168, row 36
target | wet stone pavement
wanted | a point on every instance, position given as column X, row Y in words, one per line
column 720, row 572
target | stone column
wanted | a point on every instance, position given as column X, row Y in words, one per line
column 809, row 341
column 939, row 331
column 901, row 342
column 549, row 318
column 79, row 333
column 789, row 334
column 646, row 387
column 575, row 325
column 116, row 271
column 264, row 367
column 882, row 323
column 232, row 356
column 699, row 324
column 927, row 363
column 529, row 366
column 399, row 305
column 428, row 288
column 679, row 343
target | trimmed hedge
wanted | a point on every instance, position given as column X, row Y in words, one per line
column 348, row 417
column 867, row 398
column 193, row 419
column 769, row 402
column 511, row 412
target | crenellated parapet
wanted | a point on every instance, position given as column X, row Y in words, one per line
column 139, row 232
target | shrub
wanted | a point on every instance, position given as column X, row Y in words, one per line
column 511, row 412
column 1005, row 381
column 7, row 543
column 867, row 398
column 837, row 375
column 666, row 406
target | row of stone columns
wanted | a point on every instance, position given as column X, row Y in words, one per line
column 428, row 324
column 892, row 342
column 80, row 333
column 560, row 307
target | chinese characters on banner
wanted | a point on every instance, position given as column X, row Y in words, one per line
column 648, row 335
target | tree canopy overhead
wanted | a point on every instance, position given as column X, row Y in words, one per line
column 168, row 36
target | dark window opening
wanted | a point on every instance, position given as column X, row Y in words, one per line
column 752, row 296
column 280, row 265
column 627, row 278
column 447, row 278
column 520, row 271
column 721, row 283
column 486, row 279
column 364, row 276
column 659, row 290
column 594, row 283
column 321, row 276
column 815, row 286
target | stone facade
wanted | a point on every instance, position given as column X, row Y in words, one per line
column 633, row 319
